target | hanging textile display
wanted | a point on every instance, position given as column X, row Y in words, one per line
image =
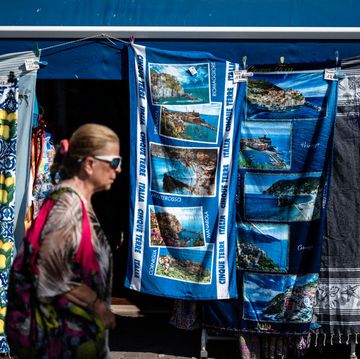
column 16, row 83
column 27, row 80
column 284, row 169
column 185, row 112
column 42, row 157
column 40, row 185
column 338, row 303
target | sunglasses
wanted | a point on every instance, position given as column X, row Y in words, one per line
column 113, row 161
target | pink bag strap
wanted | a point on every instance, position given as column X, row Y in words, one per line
column 34, row 233
column 86, row 254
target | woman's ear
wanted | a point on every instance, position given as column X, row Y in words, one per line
column 88, row 165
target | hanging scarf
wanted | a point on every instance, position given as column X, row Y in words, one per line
column 338, row 297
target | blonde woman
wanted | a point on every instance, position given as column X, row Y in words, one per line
column 68, row 256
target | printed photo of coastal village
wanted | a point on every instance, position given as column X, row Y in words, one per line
column 279, row 298
column 263, row 247
column 183, row 171
column 280, row 96
column 176, row 226
column 186, row 265
column 265, row 146
column 198, row 123
column 282, row 197
column 179, row 84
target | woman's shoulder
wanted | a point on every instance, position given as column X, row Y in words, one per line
column 61, row 189
column 66, row 209
column 66, row 195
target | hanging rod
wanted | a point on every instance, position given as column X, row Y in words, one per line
column 183, row 32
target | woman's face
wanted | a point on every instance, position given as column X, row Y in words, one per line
column 103, row 174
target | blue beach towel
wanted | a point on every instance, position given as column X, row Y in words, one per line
column 284, row 170
column 185, row 127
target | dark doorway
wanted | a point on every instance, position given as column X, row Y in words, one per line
column 67, row 104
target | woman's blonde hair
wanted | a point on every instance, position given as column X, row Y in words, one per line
column 88, row 140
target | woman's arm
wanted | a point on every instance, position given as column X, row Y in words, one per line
column 85, row 297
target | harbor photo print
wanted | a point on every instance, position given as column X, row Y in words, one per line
column 179, row 84
column 176, row 226
column 188, row 265
column 265, row 145
column 279, row 298
column 263, row 247
column 183, row 171
column 198, row 123
column 281, row 96
column 282, row 197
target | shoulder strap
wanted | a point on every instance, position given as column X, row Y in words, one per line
column 86, row 254
column 32, row 237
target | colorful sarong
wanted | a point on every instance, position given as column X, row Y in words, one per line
column 183, row 168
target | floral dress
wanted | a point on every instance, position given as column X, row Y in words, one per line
column 64, row 329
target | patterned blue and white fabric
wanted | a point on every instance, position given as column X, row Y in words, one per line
column 185, row 116
column 16, row 92
column 9, row 96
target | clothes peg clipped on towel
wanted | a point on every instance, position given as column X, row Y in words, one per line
column 37, row 50
column 339, row 75
column 337, row 63
column 244, row 59
column 242, row 75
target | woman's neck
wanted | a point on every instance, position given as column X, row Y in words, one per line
column 82, row 187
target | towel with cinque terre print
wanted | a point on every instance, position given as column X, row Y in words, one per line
column 185, row 127
column 284, row 168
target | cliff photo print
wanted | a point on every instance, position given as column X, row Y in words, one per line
column 263, row 247
column 188, row 265
column 183, row 171
column 198, row 123
column 279, row 298
column 282, row 198
column 265, row 146
column 176, row 226
column 282, row 96
column 175, row 84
